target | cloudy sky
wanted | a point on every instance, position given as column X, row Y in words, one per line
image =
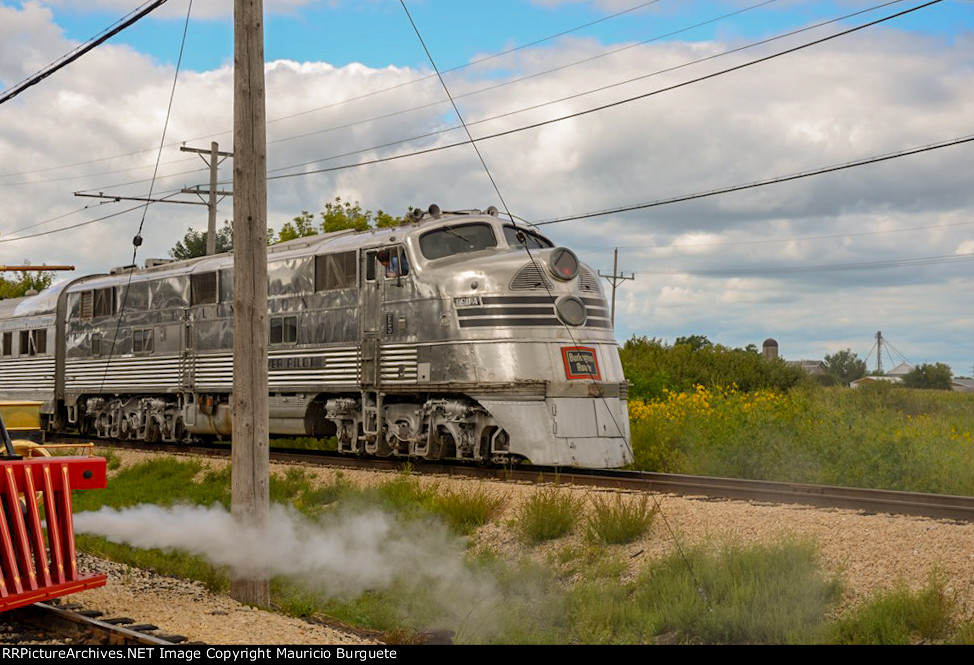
column 693, row 103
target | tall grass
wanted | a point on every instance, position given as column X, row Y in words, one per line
column 900, row 616
column 547, row 514
column 620, row 520
column 878, row 436
column 771, row 593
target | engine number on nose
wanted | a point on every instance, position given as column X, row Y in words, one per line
column 580, row 362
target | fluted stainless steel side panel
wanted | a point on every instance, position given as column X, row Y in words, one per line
column 123, row 374
column 27, row 374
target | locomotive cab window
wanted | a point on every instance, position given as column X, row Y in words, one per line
column 458, row 239
column 392, row 262
column 284, row 330
column 519, row 237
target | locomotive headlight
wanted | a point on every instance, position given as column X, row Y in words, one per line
column 571, row 310
column 563, row 263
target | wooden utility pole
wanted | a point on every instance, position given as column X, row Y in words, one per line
column 250, row 467
column 615, row 279
column 214, row 164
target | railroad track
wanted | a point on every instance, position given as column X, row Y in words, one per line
column 44, row 622
column 936, row 506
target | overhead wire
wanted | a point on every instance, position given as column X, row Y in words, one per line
column 691, row 196
column 137, row 240
column 763, row 183
column 78, row 52
column 584, row 112
column 374, row 92
column 488, row 88
column 830, row 267
column 598, row 388
column 521, row 79
column 768, row 241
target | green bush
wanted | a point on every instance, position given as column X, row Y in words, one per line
column 621, row 520
column 766, row 593
column 651, row 366
column 466, row 510
column 547, row 514
column 899, row 616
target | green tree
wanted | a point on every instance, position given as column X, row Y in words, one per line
column 18, row 287
column 193, row 243
column 338, row 215
column 844, row 367
column 933, row 377
column 695, row 342
column 652, row 366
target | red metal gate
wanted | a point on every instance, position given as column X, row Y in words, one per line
column 37, row 555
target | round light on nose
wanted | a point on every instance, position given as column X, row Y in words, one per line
column 563, row 263
column 571, row 310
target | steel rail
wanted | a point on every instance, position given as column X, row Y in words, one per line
column 936, row 506
column 76, row 626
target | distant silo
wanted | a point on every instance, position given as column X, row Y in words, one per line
column 770, row 348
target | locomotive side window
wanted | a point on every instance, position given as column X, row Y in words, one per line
column 459, row 239
column 95, row 344
column 8, row 344
column 284, row 330
column 393, row 261
column 203, row 288
column 142, row 341
column 104, row 302
column 336, row 271
column 136, row 297
column 226, row 285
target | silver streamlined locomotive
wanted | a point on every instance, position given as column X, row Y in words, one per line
column 459, row 335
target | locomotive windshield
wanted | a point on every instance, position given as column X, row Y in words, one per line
column 459, row 239
column 528, row 238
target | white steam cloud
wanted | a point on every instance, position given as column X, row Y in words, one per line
column 344, row 555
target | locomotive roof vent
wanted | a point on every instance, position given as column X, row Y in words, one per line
column 122, row 269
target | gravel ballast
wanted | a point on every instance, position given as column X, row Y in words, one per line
column 870, row 552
